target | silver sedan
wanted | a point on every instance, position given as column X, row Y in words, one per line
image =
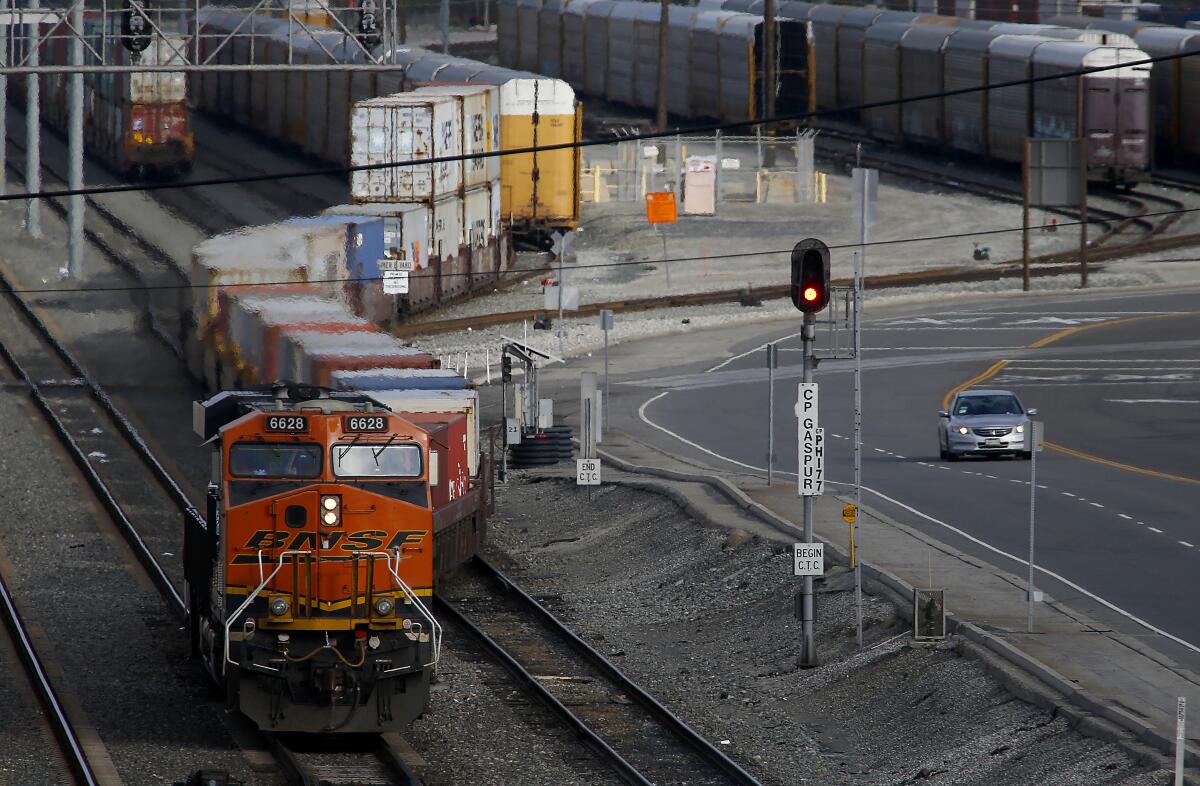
column 984, row 423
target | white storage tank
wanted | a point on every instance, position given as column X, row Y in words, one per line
column 405, row 127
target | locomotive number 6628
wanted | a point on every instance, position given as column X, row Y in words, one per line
column 365, row 423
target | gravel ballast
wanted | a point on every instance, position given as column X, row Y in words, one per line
column 703, row 618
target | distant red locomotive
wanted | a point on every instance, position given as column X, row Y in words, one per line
column 309, row 581
column 137, row 123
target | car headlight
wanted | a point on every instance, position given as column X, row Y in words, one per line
column 963, row 430
column 384, row 606
column 280, row 607
column 1020, row 429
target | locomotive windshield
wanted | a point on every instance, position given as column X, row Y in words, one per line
column 376, row 461
column 275, row 460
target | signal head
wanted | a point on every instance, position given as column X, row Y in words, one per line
column 810, row 275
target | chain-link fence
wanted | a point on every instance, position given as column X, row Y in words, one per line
column 705, row 172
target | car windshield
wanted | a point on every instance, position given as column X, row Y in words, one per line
column 987, row 405
column 377, row 461
column 275, row 460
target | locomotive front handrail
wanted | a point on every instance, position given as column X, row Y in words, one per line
column 250, row 599
column 434, row 627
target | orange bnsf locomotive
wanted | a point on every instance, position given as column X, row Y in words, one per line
column 309, row 584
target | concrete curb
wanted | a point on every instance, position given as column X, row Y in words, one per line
column 1077, row 705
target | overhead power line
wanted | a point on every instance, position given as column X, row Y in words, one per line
column 583, row 143
column 591, row 266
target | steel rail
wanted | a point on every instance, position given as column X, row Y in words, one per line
column 626, row 771
column 677, row 725
column 63, row 729
column 153, row 568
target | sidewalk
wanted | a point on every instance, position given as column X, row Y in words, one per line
column 1092, row 674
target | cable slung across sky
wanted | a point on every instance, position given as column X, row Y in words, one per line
column 695, row 129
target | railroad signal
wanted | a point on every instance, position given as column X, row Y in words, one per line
column 135, row 28
column 810, row 275
column 505, row 368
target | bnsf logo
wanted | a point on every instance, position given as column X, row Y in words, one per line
column 363, row 540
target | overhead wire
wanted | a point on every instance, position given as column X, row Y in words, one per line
column 582, row 143
column 588, row 266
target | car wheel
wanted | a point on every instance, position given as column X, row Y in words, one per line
column 943, row 454
column 951, row 455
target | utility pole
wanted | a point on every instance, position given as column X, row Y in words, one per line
column 664, row 20
column 76, row 207
column 772, row 363
column 4, row 101
column 808, row 643
column 1083, row 212
column 1034, row 439
column 1026, row 281
column 865, row 183
column 33, row 161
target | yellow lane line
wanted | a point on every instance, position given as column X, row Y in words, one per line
column 991, row 372
column 1118, row 465
column 1079, row 454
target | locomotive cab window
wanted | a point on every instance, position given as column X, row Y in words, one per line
column 275, row 460
column 366, row 460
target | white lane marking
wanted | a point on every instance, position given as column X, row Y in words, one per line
column 839, row 436
column 880, row 450
column 1059, row 320
column 993, row 477
column 1155, row 529
column 1040, row 486
column 1095, row 504
column 1125, row 516
column 936, row 349
column 759, row 348
column 686, row 441
column 922, row 463
column 897, row 455
column 1185, row 543
column 1153, row 400
column 1014, row 480
column 1069, row 494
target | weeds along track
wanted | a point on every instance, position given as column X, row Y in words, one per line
column 628, row 729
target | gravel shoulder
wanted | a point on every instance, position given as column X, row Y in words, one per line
column 703, row 618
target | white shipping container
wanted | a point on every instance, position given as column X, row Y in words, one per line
column 447, row 234
column 159, row 87
column 405, row 127
column 479, row 117
column 457, row 401
column 406, row 236
column 481, row 216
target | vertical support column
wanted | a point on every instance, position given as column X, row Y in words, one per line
column 864, row 179
column 1083, row 212
column 1026, row 281
column 444, row 16
column 770, row 59
column 1032, row 495
column 664, row 18
column 76, row 205
column 808, row 644
column 772, row 361
column 717, row 178
column 33, row 160
column 4, row 33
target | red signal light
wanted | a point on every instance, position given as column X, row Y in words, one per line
column 810, row 294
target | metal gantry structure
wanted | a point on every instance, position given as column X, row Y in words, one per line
column 109, row 37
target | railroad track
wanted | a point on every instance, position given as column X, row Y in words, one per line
column 641, row 740
column 143, row 500
column 369, row 762
column 53, row 713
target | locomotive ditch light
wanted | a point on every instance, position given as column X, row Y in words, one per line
column 384, row 607
column 280, row 607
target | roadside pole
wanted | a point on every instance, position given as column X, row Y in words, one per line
column 1083, row 211
column 808, row 644
column 4, row 33
column 606, row 324
column 561, row 285
column 33, row 161
column 865, row 184
column 1026, row 281
column 1034, row 438
column 772, row 362
column 1180, row 737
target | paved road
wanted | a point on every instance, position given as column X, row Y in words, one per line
column 1116, row 379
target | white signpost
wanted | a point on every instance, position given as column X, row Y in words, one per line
column 812, row 442
column 587, row 472
column 808, row 559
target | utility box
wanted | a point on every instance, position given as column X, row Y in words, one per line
column 700, row 186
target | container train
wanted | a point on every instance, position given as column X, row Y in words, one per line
column 337, row 498
column 311, row 111
column 137, row 124
column 863, row 55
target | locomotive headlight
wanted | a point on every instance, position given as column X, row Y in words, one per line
column 331, row 510
column 280, row 607
column 384, row 606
